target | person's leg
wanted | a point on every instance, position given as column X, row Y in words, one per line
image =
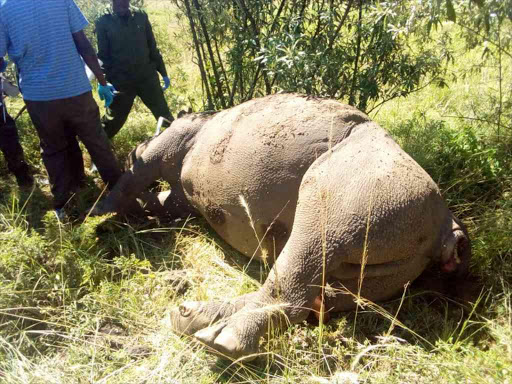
column 47, row 119
column 84, row 116
column 75, row 158
column 151, row 93
column 116, row 115
column 13, row 152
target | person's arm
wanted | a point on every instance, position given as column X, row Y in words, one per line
column 103, row 46
column 154, row 53
column 87, row 52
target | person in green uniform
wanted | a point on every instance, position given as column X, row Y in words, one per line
column 131, row 60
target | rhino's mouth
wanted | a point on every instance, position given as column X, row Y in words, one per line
column 454, row 260
column 451, row 264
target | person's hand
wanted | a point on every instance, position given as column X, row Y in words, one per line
column 107, row 93
column 3, row 65
column 167, row 82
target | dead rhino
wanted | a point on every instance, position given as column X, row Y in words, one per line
column 327, row 190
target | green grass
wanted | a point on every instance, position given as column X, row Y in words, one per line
column 88, row 301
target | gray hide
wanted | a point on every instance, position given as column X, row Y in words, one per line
column 327, row 190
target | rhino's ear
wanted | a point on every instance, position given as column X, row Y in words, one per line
column 183, row 112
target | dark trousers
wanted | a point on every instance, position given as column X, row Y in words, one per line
column 10, row 145
column 58, row 123
column 150, row 92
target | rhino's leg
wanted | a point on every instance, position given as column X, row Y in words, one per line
column 286, row 297
column 289, row 293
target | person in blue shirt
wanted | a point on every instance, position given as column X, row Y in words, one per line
column 46, row 41
column 131, row 61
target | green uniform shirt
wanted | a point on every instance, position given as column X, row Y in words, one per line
column 127, row 46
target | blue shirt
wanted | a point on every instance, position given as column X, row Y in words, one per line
column 37, row 35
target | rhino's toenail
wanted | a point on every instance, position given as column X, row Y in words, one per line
column 189, row 307
column 184, row 310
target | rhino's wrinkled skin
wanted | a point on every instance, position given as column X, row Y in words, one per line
column 327, row 189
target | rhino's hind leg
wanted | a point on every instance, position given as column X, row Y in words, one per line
column 292, row 286
column 287, row 297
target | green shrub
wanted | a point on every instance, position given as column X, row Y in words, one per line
column 466, row 166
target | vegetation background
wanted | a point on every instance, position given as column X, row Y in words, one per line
column 86, row 301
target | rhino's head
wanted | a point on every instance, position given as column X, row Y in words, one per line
column 456, row 249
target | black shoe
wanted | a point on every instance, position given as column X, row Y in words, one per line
column 24, row 179
column 23, row 174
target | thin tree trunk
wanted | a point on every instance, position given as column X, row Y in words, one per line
column 226, row 80
column 333, row 37
column 220, row 93
column 204, row 77
column 256, row 33
column 279, row 11
column 233, row 90
column 254, row 81
column 352, row 97
column 340, row 25
column 318, row 24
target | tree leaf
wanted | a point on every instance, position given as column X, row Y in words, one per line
column 450, row 11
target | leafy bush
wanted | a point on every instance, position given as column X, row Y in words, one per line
column 462, row 161
column 350, row 52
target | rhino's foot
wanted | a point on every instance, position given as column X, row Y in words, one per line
column 192, row 316
column 225, row 339
column 233, row 329
column 238, row 336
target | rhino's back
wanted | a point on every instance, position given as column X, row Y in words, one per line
column 258, row 152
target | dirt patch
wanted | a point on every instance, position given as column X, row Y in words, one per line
column 215, row 214
column 276, row 236
column 220, row 148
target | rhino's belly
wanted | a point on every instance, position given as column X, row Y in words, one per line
column 251, row 211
